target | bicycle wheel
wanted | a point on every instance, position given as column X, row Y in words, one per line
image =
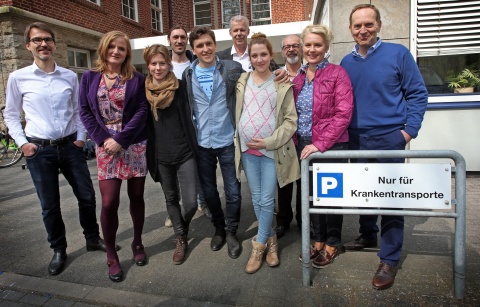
column 10, row 153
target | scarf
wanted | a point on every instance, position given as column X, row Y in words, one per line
column 161, row 96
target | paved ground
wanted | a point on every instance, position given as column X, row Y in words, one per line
column 211, row 278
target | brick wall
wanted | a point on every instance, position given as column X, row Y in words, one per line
column 281, row 10
column 308, row 9
column 289, row 10
column 182, row 14
column 108, row 16
column 103, row 18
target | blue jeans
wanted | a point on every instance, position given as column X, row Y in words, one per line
column 262, row 180
column 43, row 167
column 391, row 241
column 207, row 169
column 178, row 180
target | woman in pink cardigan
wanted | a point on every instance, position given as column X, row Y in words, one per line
column 324, row 102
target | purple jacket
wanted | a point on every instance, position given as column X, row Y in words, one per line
column 134, row 111
column 332, row 105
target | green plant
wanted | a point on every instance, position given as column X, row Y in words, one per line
column 468, row 77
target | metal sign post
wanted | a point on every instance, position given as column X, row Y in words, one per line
column 429, row 196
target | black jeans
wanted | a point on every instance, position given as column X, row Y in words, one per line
column 43, row 167
column 327, row 227
column 284, row 215
column 175, row 180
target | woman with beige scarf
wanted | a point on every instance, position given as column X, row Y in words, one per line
column 172, row 144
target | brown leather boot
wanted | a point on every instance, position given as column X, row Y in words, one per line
column 180, row 249
column 272, row 254
column 256, row 257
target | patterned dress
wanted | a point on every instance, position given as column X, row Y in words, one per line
column 126, row 163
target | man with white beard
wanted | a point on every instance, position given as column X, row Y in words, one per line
column 291, row 52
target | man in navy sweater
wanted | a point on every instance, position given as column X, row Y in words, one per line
column 389, row 105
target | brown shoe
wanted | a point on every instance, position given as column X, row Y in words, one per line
column 256, row 257
column 272, row 253
column 180, row 249
column 324, row 259
column 314, row 252
column 384, row 277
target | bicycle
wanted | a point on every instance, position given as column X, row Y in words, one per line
column 10, row 153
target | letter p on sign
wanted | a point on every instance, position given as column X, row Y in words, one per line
column 330, row 185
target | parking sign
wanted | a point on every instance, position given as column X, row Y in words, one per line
column 382, row 185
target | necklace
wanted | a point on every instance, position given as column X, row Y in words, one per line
column 111, row 78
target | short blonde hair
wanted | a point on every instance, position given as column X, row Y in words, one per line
column 321, row 30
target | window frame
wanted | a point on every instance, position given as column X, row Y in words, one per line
column 97, row 2
column 157, row 9
column 135, row 8
column 79, row 69
column 260, row 20
column 200, row 2
column 424, row 26
column 226, row 25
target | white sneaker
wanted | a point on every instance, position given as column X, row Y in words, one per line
column 168, row 222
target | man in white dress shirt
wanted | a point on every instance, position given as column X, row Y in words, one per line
column 52, row 140
column 239, row 32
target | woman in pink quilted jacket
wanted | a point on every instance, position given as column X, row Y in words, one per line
column 324, row 102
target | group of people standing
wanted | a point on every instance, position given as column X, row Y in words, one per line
column 194, row 111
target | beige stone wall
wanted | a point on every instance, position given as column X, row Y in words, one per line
column 395, row 16
column 14, row 55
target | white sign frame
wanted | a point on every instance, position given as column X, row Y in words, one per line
column 382, row 185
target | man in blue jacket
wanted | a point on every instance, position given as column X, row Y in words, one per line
column 211, row 94
column 389, row 105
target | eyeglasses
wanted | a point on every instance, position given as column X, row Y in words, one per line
column 294, row 46
column 39, row 40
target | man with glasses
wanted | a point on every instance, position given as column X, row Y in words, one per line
column 53, row 139
column 291, row 52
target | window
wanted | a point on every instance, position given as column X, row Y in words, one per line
column 78, row 61
column 156, row 9
column 448, row 40
column 203, row 14
column 97, row 2
column 129, row 9
column 230, row 8
column 261, row 12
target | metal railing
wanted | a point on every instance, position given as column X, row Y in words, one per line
column 459, row 202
